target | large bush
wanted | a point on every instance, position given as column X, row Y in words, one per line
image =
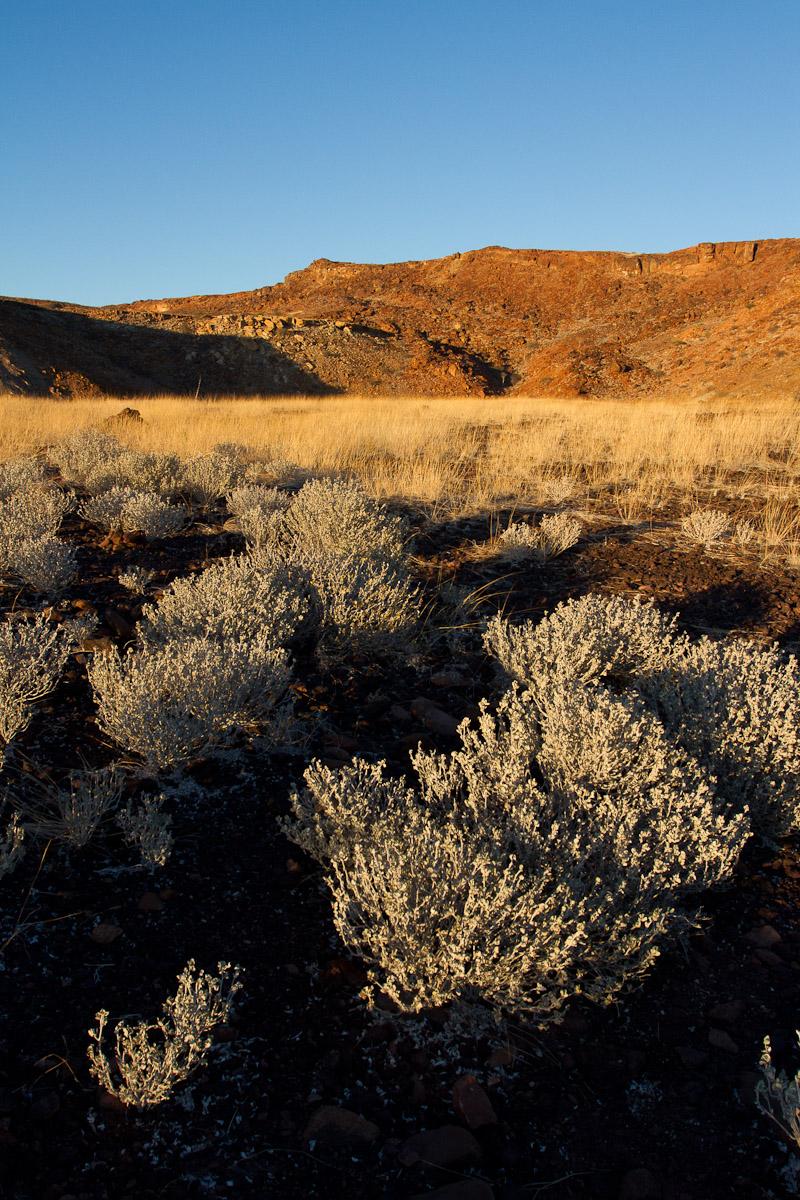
column 335, row 517
column 188, row 698
column 237, row 598
column 544, row 859
column 731, row 705
column 736, row 708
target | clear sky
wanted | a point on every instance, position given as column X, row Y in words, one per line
column 168, row 147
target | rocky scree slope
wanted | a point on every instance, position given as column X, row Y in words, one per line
column 714, row 318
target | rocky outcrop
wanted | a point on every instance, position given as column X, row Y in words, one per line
column 717, row 317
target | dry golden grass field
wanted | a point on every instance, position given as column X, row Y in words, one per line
column 454, row 456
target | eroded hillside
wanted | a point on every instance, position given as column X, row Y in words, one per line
column 718, row 317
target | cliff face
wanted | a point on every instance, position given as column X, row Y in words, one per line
column 719, row 317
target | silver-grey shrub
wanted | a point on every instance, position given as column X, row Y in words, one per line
column 150, row 1060
column 150, row 472
column 527, row 867
column 364, row 607
column 148, row 828
column 12, row 843
column 736, row 708
column 259, row 512
column 731, row 705
column 152, row 516
column 33, row 512
column 20, row 475
column 46, row 564
column 552, row 536
column 238, row 598
column 32, row 656
column 187, row 699
column 706, row 526
column 595, row 638
column 84, row 454
column 336, row 517
column 107, row 508
column 209, row 476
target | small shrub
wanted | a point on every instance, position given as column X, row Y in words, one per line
column 553, row 535
column 595, row 638
column 745, row 533
column 187, row 699
column 364, row 608
column 150, row 515
column 151, row 1060
column 148, row 828
column 21, row 474
column 778, row 1097
column 30, row 514
column 85, row 453
column 706, row 526
column 46, row 564
column 135, row 579
column 258, row 512
column 529, row 866
column 150, row 472
column 279, row 472
column 107, row 509
column 12, row 845
column 335, row 517
column 242, row 597
column 32, row 656
column 209, row 476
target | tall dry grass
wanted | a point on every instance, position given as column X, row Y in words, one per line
column 458, row 454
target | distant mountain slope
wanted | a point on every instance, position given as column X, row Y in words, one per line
column 719, row 317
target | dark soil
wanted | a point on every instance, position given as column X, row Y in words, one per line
column 651, row 1097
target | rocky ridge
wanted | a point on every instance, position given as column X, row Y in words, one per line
column 717, row 318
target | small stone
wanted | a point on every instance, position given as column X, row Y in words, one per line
column 728, row 1012
column 769, row 958
column 45, row 1107
column 97, row 645
column 104, row 934
column 722, row 1041
column 400, row 714
column 340, row 1126
column 471, row 1104
column 640, row 1184
column 503, row 1057
column 450, row 679
column 434, row 718
column 446, row 1146
column 120, row 625
column 693, row 1060
column 462, row 1189
column 763, row 938
column 150, row 902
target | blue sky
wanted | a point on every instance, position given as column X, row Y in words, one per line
column 167, row 147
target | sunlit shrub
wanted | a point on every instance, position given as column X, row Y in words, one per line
column 188, row 698
column 545, row 859
column 241, row 597
column 151, row 1060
